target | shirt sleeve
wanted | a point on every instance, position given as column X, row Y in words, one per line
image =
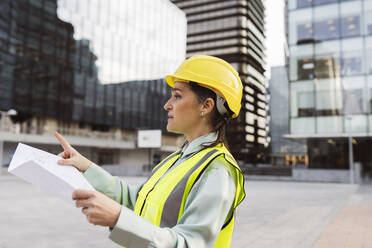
column 207, row 207
column 113, row 187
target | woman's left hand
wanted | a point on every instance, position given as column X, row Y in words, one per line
column 98, row 208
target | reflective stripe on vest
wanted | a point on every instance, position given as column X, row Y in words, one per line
column 162, row 198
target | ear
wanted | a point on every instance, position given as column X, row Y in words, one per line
column 207, row 106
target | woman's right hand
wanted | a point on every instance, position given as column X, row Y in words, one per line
column 71, row 156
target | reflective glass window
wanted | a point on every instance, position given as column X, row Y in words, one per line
column 368, row 17
column 302, row 99
column 368, row 43
column 326, row 22
column 350, row 19
column 321, row 2
column 301, row 62
column 328, row 102
column 328, row 97
column 352, row 59
column 369, row 96
column 353, row 95
column 300, row 26
column 350, row 26
column 327, row 59
column 303, row 125
column 353, row 101
column 329, row 124
column 327, row 29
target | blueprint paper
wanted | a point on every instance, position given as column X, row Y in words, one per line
column 41, row 168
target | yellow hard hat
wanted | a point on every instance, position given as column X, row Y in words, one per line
column 215, row 74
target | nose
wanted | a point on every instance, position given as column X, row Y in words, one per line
column 167, row 105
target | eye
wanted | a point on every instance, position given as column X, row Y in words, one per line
column 176, row 96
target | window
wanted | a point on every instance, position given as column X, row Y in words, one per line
column 352, row 60
column 350, row 26
column 328, row 102
column 305, row 68
column 327, row 60
column 321, row 2
column 327, row 29
column 369, row 54
column 300, row 62
column 304, row 33
column 306, row 105
column 300, row 26
column 302, row 99
column 326, row 22
column 304, row 3
column 353, row 101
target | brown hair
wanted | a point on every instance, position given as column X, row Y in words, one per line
column 219, row 122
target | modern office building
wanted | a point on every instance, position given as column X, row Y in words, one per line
column 283, row 152
column 330, row 73
column 89, row 70
column 234, row 31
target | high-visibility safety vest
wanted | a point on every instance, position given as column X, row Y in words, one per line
column 162, row 201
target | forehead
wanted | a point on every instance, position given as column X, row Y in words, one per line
column 180, row 85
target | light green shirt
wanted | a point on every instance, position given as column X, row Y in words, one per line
column 208, row 205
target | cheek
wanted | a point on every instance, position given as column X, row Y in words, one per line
column 187, row 112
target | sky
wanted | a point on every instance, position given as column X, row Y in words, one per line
column 275, row 37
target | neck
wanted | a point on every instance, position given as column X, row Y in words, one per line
column 196, row 133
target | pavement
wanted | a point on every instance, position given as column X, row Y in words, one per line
column 274, row 214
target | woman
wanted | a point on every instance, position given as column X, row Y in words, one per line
column 191, row 196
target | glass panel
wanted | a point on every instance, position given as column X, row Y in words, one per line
column 303, row 3
column 321, row 2
column 329, row 124
column 328, row 97
column 368, row 17
column 350, row 19
column 326, row 22
column 305, row 125
column 369, row 96
column 369, row 54
column 117, row 49
column 352, row 60
column 353, row 95
column 355, row 124
column 292, row 4
column 353, row 101
column 328, row 153
column 327, row 60
column 302, row 99
column 301, row 62
column 300, row 26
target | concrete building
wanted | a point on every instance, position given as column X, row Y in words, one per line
column 70, row 67
column 330, row 74
column 234, row 31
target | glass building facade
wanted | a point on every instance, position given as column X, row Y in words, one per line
column 234, row 31
column 89, row 62
column 132, row 39
column 330, row 72
column 283, row 152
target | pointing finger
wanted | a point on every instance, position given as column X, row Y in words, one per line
column 63, row 141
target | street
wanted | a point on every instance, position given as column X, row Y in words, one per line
column 274, row 214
